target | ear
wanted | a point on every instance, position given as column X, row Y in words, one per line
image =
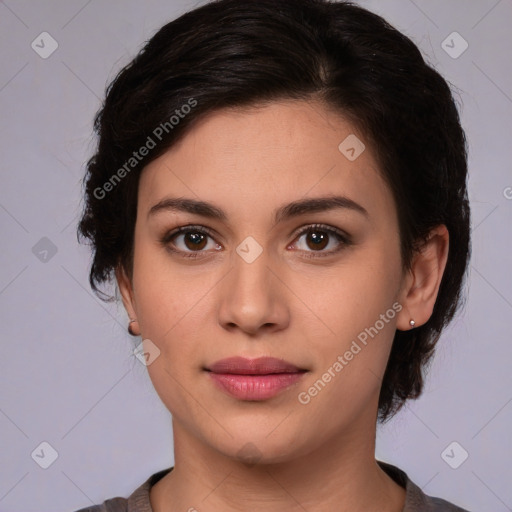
column 421, row 284
column 126, row 289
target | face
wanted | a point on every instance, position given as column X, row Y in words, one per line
column 294, row 256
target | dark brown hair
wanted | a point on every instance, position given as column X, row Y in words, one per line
column 230, row 53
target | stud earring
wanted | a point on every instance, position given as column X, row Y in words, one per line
column 412, row 323
column 130, row 327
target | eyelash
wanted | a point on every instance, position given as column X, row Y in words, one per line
column 342, row 238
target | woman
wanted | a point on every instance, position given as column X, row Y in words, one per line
column 279, row 191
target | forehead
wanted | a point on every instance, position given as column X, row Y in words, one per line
column 267, row 154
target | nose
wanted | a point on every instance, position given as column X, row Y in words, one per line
column 253, row 297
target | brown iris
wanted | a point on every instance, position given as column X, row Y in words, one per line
column 197, row 240
column 319, row 238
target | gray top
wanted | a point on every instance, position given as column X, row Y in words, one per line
column 415, row 499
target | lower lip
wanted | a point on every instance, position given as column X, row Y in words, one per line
column 255, row 387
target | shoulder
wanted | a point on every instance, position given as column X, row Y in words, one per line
column 416, row 500
column 138, row 501
column 420, row 501
column 112, row 505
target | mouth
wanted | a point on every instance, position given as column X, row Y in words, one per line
column 259, row 366
column 254, row 379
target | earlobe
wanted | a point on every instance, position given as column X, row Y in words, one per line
column 424, row 279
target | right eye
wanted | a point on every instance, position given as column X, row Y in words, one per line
column 189, row 241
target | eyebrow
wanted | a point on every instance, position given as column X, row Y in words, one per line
column 293, row 209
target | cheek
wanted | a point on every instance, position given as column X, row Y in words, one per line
column 171, row 307
column 351, row 296
column 355, row 304
column 162, row 293
column 351, row 362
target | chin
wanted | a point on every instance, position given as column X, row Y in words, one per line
column 260, row 448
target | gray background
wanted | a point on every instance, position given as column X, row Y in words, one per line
column 68, row 376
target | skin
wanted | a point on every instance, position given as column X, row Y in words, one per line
column 315, row 457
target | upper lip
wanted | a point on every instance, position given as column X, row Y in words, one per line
column 258, row 366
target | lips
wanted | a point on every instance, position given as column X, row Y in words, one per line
column 259, row 366
column 254, row 379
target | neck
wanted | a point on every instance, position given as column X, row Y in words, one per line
column 340, row 474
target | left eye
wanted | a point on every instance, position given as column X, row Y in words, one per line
column 318, row 238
